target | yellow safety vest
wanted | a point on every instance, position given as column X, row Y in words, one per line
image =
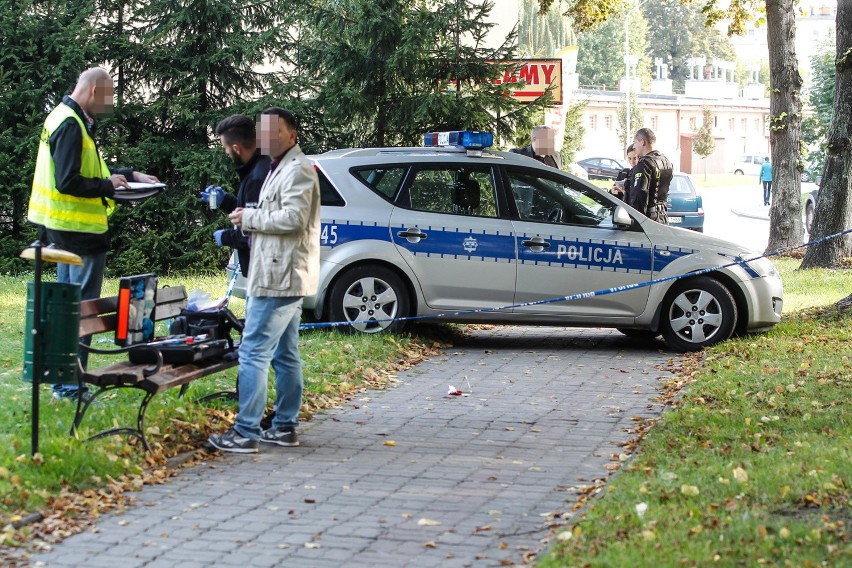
column 60, row 211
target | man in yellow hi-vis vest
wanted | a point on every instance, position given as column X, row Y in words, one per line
column 73, row 187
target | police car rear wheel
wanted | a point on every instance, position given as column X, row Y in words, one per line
column 698, row 313
column 369, row 298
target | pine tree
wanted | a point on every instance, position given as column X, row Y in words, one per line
column 45, row 47
column 388, row 71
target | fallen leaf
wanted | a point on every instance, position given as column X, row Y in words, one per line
column 430, row 544
column 312, row 545
column 389, row 443
column 740, row 474
column 428, row 523
column 690, row 490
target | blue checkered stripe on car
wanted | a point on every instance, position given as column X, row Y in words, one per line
column 496, row 246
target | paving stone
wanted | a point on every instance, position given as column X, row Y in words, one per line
column 548, row 409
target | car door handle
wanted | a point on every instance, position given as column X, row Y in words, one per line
column 412, row 234
column 542, row 244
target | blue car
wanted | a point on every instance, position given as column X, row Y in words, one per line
column 686, row 209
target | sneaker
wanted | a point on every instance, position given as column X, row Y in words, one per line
column 233, row 441
column 72, row 394
column 285, row 437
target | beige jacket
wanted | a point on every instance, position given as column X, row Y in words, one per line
column 285, row 230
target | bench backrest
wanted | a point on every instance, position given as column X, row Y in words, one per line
column 100, row 315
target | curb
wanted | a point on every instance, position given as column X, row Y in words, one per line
column 752, row 214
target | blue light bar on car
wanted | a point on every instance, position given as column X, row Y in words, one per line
column 468, row 139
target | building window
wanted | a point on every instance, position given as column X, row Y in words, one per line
column 608, row 122
column 731, row 124
column 593, row 122
column 655, row 123
column 693, row 123
column 744, row 124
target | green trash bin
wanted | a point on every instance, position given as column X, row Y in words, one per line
column 60, row 316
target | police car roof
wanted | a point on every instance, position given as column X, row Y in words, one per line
column 418, row 152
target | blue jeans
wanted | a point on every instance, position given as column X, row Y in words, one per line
column 90, row 277
column 270, row 335
column 767, row 191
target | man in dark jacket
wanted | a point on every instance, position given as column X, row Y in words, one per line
column 238, row 136
column 651, row 178
column 542, row 147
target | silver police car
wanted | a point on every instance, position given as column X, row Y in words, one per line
column 457, row 231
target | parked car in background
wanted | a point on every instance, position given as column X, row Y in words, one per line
column 601, row 168
column 575, row 169
column 457, row 231
column 686, row 209
column 750, row 165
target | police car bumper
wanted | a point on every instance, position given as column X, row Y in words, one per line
column 766, row 296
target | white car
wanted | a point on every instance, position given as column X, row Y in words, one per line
column 466, row 234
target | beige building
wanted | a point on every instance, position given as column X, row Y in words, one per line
column 739, row 127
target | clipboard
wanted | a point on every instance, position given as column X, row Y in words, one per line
column 138, row 191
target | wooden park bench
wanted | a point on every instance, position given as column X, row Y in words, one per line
column 152, row 376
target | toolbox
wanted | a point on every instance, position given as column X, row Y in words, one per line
column 179, row 350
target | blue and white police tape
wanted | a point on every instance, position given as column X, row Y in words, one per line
column 743, row 262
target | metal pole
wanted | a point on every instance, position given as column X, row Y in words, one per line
column 36, row 331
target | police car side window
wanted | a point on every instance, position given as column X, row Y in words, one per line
column 328, row 195
column 460, row 191
column 384, row 181
column 547, row 199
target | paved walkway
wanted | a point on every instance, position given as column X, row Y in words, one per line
column 409, row 476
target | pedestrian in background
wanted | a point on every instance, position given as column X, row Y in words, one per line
column 765, row 178
column 238, row 137
column 542, row 147
column 72, row 192
column 651, row 178
column 285, row 228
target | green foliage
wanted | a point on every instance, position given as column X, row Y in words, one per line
column 637, row 119
column 542, row 35
column 679, row 32
column 821, row 97
column 703, row 144
column 45, row 46
column 600, row 60
column 388, row 71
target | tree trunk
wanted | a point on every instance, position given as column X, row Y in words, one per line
column 785, row 120
column 834, row 206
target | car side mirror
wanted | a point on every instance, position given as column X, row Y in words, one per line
column 621, row 218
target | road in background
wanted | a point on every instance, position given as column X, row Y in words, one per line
column 736, row 213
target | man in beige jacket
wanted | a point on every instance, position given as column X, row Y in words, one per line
column 284, row 234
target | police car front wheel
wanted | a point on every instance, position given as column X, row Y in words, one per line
column 369, row 297
column 697, row 313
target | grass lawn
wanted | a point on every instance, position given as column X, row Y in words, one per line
column 69, row 479
column 752, row 464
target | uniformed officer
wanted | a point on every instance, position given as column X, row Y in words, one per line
column 651, row 178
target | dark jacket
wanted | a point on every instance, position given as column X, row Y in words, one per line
column 650, row 188
column 66, row 147
column 549, row 160
column 252, row 174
